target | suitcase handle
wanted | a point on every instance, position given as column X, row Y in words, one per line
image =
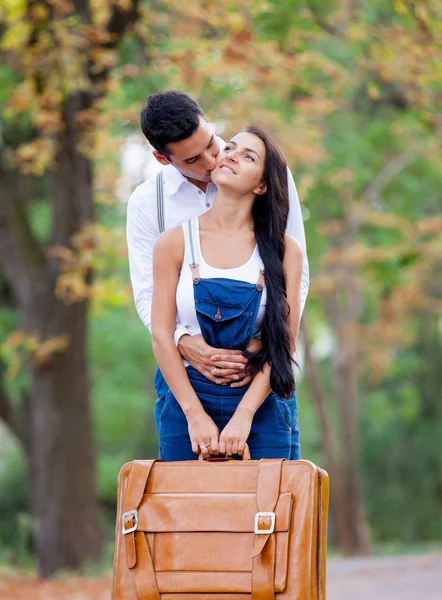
column 245, row 456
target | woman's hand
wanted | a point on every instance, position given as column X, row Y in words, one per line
column 203, row 432
column 235, row 434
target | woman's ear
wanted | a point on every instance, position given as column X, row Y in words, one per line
column 261, row 189
column 161, row 158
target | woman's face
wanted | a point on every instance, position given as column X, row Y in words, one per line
column 240, row 164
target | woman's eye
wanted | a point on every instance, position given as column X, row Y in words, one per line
column 251, row 157
column 227, row 148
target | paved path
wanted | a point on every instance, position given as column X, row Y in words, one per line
column 385, row 578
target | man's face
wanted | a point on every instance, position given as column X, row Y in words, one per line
column 195, row 157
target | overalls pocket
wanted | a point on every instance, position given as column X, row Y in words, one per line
column 224, row 325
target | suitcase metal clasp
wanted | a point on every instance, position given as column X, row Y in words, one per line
column 133, row 516
column 266, row 515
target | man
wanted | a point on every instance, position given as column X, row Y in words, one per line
column 185, row 144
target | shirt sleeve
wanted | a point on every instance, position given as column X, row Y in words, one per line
column 141, row 233
column 295, row 228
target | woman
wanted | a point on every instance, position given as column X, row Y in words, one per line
column 231, row 274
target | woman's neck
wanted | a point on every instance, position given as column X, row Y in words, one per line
column 231, row 213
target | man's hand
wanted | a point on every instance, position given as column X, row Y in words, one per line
column 219, row 366
column 203, row 432
column 235, row 434
column 254, row 346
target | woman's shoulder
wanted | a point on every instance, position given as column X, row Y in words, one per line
column 170, row 242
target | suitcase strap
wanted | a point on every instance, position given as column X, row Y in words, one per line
column 264, row 547
column 138, row 556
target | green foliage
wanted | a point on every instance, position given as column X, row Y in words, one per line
column 16, row 528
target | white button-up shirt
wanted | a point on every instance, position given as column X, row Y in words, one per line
column 182, row 201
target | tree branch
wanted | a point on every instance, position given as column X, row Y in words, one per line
column 393, row 167
column 321, row 22
column 120, row 21
column 20, row 252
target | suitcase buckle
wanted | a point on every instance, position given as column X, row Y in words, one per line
column 133, row 515
column 266, row 515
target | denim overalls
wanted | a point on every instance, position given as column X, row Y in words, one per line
column 226, row 310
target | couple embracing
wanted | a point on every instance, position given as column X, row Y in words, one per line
column 222, row 288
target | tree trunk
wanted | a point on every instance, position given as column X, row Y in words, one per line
column 58, row 432
column 356, row 538
column 62, row 467
column 65, row 502
column 328, row 441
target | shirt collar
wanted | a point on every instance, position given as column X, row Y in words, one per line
column 173, row 179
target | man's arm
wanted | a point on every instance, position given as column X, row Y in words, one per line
column 141, row 233
column 295, row 228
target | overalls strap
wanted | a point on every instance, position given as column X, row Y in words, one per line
column 190, row 232
column 261, row 281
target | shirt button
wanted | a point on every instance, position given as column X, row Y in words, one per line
column 208, row 204
column 200, row 192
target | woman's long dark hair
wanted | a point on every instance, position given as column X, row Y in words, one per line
column 270, row 213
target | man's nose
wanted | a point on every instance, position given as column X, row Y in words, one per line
column 210, row 162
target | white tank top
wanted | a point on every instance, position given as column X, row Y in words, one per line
column 250, row 271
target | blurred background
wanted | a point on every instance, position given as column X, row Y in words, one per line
column 352, row 91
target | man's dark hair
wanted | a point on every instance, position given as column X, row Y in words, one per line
column 169, row 117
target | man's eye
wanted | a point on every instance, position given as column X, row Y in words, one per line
column 190, row 162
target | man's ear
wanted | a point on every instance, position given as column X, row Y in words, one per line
column 161, row 158
column 261, row 189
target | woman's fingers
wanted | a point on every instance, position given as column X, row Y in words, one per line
column 213, row 445
column 235, row 446
column 204, row 448
column 231, row 446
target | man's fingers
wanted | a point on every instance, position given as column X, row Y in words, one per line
column 208, row 375
column 237, row 384
column 236, row 367
column 231, row 374
column 230, row 358
column 217, row 380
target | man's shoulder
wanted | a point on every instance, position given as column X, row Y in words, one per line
column 144, row 192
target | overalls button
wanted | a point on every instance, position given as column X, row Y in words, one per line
column 218, row 316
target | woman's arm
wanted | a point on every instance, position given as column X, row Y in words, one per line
column 236, row 432
column 167, row 262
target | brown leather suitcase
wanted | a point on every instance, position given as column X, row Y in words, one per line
column 221, row 530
